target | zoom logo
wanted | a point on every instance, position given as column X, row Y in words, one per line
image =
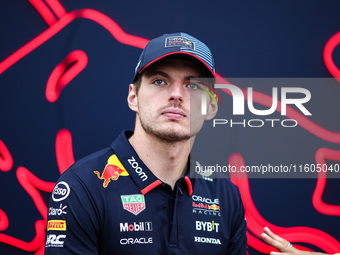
column 137, row 168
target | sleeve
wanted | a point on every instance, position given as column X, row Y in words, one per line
column 73, row 222
column 238, row 237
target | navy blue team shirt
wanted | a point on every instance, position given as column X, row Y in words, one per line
column 110, row 203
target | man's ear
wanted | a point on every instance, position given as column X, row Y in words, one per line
column 132, row 98
column 212, row 109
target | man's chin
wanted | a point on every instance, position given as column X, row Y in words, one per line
column 174, row 137
column 170, row 135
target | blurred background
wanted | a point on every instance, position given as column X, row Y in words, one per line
column 65, row 67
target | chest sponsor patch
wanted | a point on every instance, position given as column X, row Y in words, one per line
column 206, row 206
column 112, row 171
column 57, row 211
column 142, row 175
column 207, row 240
column 135, row 226
column 56, row 225
column 207, row 226
column 55, row 240
column 60, row 191
column 142, row 240
column 133, row 203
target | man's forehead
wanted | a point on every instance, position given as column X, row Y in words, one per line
column 163, row 66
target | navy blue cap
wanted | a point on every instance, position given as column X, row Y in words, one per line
column 172, row 44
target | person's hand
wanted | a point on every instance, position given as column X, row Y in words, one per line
column 284, row 247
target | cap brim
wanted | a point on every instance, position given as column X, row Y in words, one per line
column 185, row 55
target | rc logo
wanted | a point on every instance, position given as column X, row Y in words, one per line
column 55, row 240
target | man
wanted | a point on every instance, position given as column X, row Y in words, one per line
column 137, row 197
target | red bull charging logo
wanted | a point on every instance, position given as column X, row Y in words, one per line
column 112, row 171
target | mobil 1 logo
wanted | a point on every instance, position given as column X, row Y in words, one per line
column 135, row 226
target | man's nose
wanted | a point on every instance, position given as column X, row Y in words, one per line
column 177, row 91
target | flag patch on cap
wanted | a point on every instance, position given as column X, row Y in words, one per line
column 179, row 41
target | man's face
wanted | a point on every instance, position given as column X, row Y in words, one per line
column 163, row 101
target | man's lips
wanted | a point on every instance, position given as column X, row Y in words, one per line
column 174, row 114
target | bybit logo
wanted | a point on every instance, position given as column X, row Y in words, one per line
column 207, row 226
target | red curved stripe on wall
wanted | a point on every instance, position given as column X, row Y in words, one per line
column 64, row 150
column 93, row 15
column 3, row 220
column 256, row 223
column 32, row 184
column 56, row 7
column 65, row 140
column 116, row 31
column 44, row 11
column 41, row 250
column 320, row 206
column 256, row 243
column 327, row 56
column 32, row 246
column 27, row 179
column 124, row 38
column 64, row 73
column 6, row 160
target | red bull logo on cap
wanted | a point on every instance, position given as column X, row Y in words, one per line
column 112, row 171
column 179, row 41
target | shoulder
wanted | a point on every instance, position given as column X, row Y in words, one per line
column 91, row 161
column 228, row 190
column 220, row 185
column 82, row 171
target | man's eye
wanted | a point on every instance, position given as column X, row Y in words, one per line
column 193, row 86
column 159, row 82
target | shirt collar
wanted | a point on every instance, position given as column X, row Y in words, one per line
column 140, row 174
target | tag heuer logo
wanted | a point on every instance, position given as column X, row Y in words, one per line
column 133, row 203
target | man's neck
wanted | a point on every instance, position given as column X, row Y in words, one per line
column 167, row 161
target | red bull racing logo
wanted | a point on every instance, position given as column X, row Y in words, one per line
column 206, row 206
column 112, row 171
column 214, row 207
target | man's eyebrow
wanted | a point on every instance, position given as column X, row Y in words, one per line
column 151, row 73
column 155, row 73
